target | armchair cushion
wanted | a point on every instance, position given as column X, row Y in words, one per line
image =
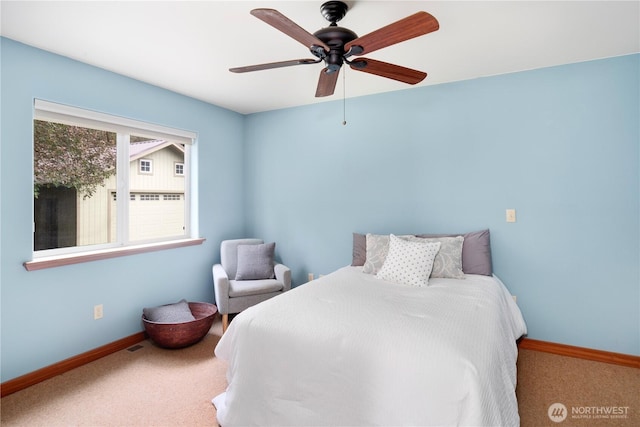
column 243, row 288
column 255, row 262
column 229, row 254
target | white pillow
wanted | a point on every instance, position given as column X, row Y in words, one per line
column 408, row 262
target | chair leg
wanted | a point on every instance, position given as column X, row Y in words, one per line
column 225, row 322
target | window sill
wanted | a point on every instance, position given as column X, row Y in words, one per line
column 58, row 261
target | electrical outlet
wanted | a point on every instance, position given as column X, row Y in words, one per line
column 511, row 215
column 310, row 277
column 97, row 312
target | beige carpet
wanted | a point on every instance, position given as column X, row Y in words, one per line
column 157, row 387
column 150, row 386
column 581, row 386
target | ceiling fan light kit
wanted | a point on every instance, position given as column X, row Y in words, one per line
column 334, row 45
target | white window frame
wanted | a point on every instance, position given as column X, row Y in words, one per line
column 141, row 163
column 123, row 127
column 175, row 168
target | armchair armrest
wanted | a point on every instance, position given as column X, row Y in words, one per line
column 283, row 274
column 221, row 288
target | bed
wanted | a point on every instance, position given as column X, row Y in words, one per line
column 355, row 348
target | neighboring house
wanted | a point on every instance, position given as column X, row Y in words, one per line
column 156, row 194
column 156, row 202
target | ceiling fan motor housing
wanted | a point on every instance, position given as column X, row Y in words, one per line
column 335, row 37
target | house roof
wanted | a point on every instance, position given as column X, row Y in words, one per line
column 140, row 149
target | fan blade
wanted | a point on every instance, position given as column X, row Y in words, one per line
column 287, row 26
column 390, row 71
column 418, row 24
column 270, row 65
column 326, row 83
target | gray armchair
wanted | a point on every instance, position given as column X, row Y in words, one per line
column 239, row 282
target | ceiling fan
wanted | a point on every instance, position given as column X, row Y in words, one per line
column 334, row 45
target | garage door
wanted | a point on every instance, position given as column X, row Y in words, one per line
column 154, row 215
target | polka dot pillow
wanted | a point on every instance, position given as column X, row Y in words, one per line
column 408, row 262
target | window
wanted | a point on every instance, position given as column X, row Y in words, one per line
column 179, row 170
column 114, row 198
column 146, row 166
column 92, row 176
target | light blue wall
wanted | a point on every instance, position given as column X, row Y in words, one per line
column 560, row 145
column 47, row 315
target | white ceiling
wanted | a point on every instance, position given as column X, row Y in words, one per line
column 188, row 46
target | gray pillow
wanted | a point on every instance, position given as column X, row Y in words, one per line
column 359, row 250
column 476, row 251
column 448, row 262
column 377, row 249
column 255, row 262
column 178, row 312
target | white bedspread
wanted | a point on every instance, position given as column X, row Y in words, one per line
column 349, row 349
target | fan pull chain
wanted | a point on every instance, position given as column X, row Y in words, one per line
column 344, row 98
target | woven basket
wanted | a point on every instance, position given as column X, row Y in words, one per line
column 178, row 335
